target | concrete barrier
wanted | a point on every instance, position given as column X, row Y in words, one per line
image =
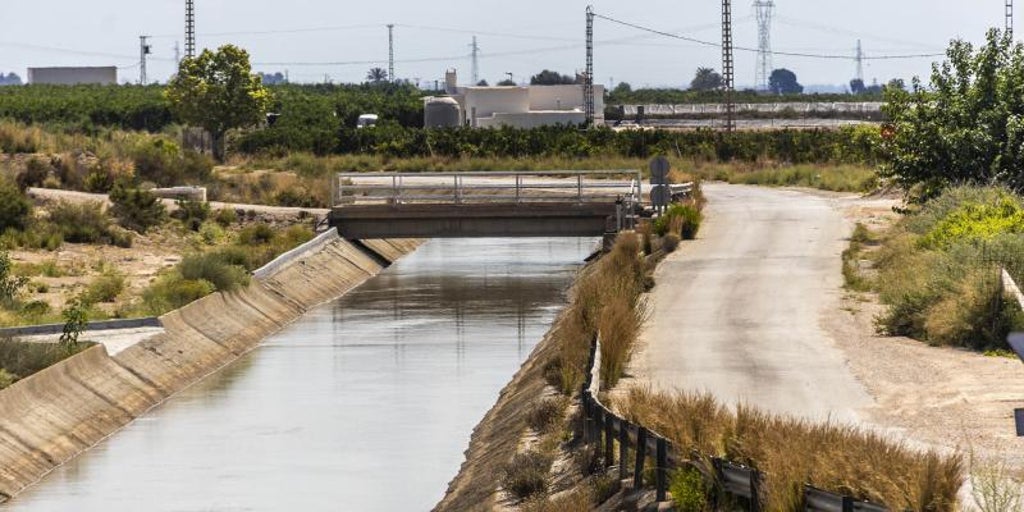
column 104, row 325
column 52, row 416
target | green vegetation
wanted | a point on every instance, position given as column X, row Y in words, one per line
column 682, row 220
column 76, row 319
column 835, row 178
column 104, row 288
column 628, row 96
column 15, row 209
column 218, row 92
column 689, row 490
column 10, row 284
column 792, row 452
column 965, row 127
column 938, row 269
column 20, row 359
column 136, row 209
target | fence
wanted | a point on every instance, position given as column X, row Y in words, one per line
column 603, row 428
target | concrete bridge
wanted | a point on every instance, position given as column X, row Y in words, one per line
column 485, row 204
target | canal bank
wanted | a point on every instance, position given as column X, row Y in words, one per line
column 51, row 417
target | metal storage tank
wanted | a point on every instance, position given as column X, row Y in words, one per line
column 441, row 113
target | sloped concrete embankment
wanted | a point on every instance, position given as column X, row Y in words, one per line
column 54, row 415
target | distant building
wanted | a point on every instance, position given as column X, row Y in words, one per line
column 517, row 106
column 106, row 75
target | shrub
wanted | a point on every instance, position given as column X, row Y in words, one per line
column 192, row 213
column 35, row 173
column 545, row 414
column 212, row 268
column 258, row 234
column 81, row 223
column 172, row 291
column 226, row 217
column 105, row 288
column 10, row 284
column 526, row 474
column 15, row 208
column 6, row 379
column 158, row 160
column 136, row 209
column 689, row 491
column 671, row 242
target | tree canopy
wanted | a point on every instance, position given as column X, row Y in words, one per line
column 548, row 77
column 966, row 127
column 706, row 79
column 783, row 81
column 219, row 92
column 377, row 75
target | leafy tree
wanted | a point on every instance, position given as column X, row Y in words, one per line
column 15, row 208
column 896, row 83
column 783, row 81
column 966, row 126
column 507, row 82
column 10, row 79
column 548, row 77
column 622, row 88
column 482, row 83
column 218, row 92
column 273, row 78
column 706, row 79
column 377, row 75
column 76, row 319
column 857, row 86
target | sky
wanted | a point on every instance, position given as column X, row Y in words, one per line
column 318, row 40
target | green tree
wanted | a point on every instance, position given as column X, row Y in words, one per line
column 76, row 319
column 706, row 79
column 377, row 75
column 857, row 86
column 10, row 284
column 508, row 82
column 136, row 209
column 966, row 127
column 548, row 77
column 783, row 81
column 219, row 92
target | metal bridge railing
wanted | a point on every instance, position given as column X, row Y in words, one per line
column 488, row 187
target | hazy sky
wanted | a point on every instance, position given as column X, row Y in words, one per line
column 521, row 37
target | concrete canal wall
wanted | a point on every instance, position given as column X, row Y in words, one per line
column 52, row 416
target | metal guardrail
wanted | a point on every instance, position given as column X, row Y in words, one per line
column 512, row 187
column 602, row 427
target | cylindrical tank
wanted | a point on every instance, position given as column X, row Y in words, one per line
column 441, row 113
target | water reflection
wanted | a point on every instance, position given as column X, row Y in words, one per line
column 364, row 404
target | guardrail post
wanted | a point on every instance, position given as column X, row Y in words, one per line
column 755, row 491
column 662, row 469
column 623, row 449
column 596, row 429
column 579, row 188
column 587, row 415
column 641, row 454
column 609, row 441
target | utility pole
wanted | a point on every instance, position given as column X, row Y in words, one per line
column 728, row 70
column 177, row 53
column 190, row 29
column 144, row 49
column 391, row 52
column 588, row 75
column 764, row 10
column 860, row 62
column 476, row 62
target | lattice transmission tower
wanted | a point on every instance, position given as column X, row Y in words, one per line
column 476, row 62
column 190, row 29
column 391, row 52
column 588, row 75
column 728, row 68
column 1009, row 17
column 763, row 10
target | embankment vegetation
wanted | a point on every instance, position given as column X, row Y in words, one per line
column 791, row 453
column 938, row 270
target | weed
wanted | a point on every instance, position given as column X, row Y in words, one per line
column 546, row 413
column 15, row 209
column 137, row 210
column 526, row 474
column 104, row 288
column 258, row 234
column 172, row 291
column 689, row 490
column 213, row 268
column 670, row 242
column 226, row 217
column 192, row 213
column 10, row 284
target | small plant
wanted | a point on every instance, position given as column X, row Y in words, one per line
column 545, row 414
column 192, row 213
column 226, row 217
column 81, row 223
column 76, row 319
column 689, row 490
column 105, row 288
column 35, row 173
column 15, row 208
column 670, row 242
column 171, row 291
column 6, row 379
column 212, row 268
column 10, row 284
column 993, row 487
column 526, row 474
column 258, row 234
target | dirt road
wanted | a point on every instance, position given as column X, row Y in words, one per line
column 737, row 311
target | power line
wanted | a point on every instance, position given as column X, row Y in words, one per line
column 773, row 52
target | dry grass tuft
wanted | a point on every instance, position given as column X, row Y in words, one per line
column 792, row 452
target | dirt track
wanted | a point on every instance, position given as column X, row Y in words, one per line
column 755, row 311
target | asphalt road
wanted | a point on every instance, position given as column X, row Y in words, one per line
column 738, row 312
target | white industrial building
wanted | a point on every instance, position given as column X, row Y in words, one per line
column 106, row 75
column 516, row 106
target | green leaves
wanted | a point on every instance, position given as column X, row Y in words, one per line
column 967, row 127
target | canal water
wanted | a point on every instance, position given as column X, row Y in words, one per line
column 366, row 403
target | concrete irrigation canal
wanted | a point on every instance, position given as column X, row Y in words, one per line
column 365, row 403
